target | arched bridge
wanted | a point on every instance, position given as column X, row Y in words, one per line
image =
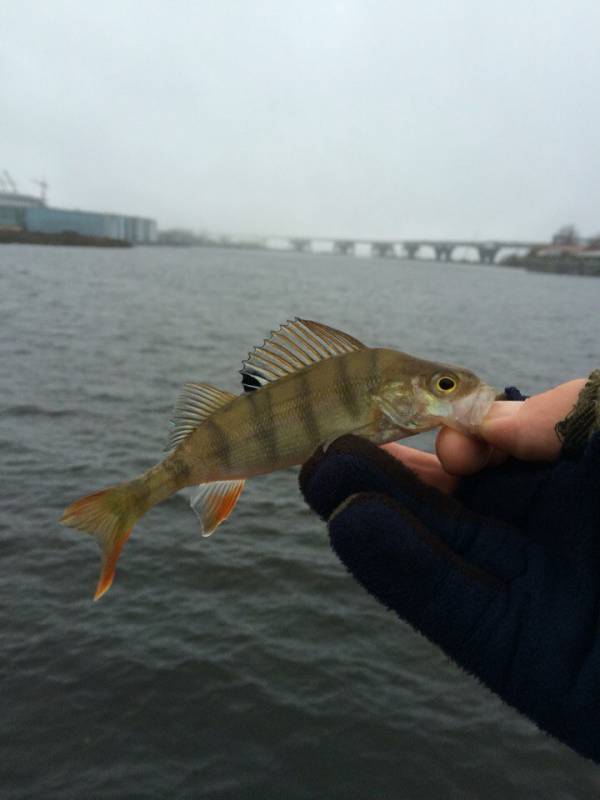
column 439, row 249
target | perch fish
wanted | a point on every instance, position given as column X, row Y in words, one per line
column 304, row 387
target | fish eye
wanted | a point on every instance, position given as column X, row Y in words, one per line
column 445, row 384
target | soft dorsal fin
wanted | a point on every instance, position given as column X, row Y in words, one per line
column 196, row 402
column 296, row 345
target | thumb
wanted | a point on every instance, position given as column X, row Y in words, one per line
column 527, row 430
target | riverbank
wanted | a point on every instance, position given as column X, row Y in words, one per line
column 559, row 265
column 66, row 238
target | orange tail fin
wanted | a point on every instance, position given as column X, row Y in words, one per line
column 108, row 515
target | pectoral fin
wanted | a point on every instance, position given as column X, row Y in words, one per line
column 214, row 502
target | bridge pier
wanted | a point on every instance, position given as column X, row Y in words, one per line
column 411, row 249
column 301, row 245
column 382, row 249
column 443, row 252
column 487, row 253
column 344, row 247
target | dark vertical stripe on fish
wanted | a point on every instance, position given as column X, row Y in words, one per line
column 261, row 407
column 220, row 440
column 348, row 389
column 309, row 418
column 177, row 468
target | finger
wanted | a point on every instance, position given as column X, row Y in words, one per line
column 352, row 465
column 527, row 430
column 509, row 492
column 459, row 606
column 461, row 454
column 426, row 466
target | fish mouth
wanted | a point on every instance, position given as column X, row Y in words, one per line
column 469, row 412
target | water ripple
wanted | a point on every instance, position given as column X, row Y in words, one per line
column 249, row 664
column 32, row 410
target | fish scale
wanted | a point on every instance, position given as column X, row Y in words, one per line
column 305, row 386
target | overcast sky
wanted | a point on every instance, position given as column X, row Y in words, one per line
column 359, row 118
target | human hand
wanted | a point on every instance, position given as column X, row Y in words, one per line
column 504, row 575
column 524, row 430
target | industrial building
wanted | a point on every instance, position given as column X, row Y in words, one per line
column 43, row 219
column 13, row 206
column 30, row 213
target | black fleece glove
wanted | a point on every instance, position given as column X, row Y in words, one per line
column 504, row 576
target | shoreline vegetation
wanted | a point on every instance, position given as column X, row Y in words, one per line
column 556, row 265
column 560, row 264
column 65, row 238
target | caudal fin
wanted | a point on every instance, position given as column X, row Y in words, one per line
column 109, row 516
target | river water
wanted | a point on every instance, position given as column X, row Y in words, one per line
column 249, row 665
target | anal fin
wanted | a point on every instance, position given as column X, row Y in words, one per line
column 214, row 502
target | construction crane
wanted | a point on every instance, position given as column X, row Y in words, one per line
column 42, row 183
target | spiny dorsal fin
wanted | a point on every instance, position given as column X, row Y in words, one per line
column 196, row 402
column 296, row 345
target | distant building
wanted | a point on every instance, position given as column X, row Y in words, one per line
column 12, row 208
column 557, row 249
column 179, row 237
column 19, row 200
column 31, row 214
column 137, row 230
column 566, row 236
